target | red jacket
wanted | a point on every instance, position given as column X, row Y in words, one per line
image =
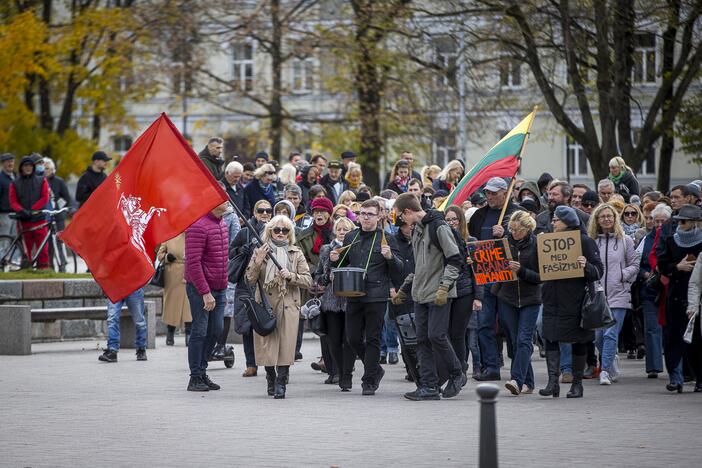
column 207, row 254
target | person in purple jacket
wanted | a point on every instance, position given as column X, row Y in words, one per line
column 206, row 256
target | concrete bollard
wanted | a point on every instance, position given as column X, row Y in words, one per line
column 15, row 330
column 487, row 394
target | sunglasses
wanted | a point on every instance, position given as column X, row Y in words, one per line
column 630, row 213
column 588, row 204
column 270, row 172
column 264, row 210
column 280, row 230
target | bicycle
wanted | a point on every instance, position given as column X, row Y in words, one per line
column 13, row 256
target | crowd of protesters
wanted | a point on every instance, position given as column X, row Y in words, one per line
column 315, row 216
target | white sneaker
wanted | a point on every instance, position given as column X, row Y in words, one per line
column 526, row 390
column 604, row 378
column 615, row 369
column 513, row 387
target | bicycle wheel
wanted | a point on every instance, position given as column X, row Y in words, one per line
column 71, row 261
column 10, row 254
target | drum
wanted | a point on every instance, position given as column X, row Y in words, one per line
column 348, row 282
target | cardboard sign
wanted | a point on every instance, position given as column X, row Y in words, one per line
column 491, row 261
column 558, row 255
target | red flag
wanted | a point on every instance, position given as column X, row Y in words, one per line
column 159, row 188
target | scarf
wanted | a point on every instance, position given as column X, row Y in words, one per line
column 616, row 179
column 267, row 189
column 631, row 229
column 686, row 239
column 319, row 235
column 272, row 280
column 354, row 186
column 402, row 183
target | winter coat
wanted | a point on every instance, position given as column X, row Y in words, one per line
column 323, row 276
column 206, row 254
column 30, row 193
column 278, row 348
column 328, row 185
column 237, row 195
column 88, row 183
column 243, row 243
column 366, row 251
column 213, row 164
column 59, row 191
column 543, row 221
column 563, row 299
column 435, row 266
column 526, row 291
column 305, row 240
column 465, row 284
column 627, row 186
column 646, row 293
column 176, row 308
column 441, row 185
column 254, row 193
column 695, row 289
column 5, row 182
column 621, row 266
column 668, row 260
column 475, row 225
column 534, row 189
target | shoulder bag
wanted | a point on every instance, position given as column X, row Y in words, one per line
column 261, row 316
column 595, row 312
column 159, row 277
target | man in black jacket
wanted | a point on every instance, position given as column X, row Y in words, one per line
column 484, row 225
column 333, row 183
column 93, row 176
column 379, row 257
column 559, row 193
column 235, row 189
column 211, row 157
column 8, row 226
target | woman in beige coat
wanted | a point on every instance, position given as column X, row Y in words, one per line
column 282, row 288
column 176, row 308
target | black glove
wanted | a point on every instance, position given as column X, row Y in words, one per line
column 25, row 214
column 170, row 257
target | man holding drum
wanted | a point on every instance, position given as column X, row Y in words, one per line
column 375, row 257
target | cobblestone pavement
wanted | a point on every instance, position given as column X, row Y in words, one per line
column 61, row 407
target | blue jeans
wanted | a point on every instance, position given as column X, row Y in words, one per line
column 135, row 304
column 521, row 323
column 607, row 340
column 388, row 336
column 566, row 350
column 486, row 332
column 653, row 337
column 205, row 329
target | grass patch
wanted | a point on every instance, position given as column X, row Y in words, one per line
column 41, row 274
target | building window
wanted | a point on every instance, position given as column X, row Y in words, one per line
column 447, row 60
column 576, row 160
column 510, row 73
column 645, row 59
column 243, row 66
column 648, row 165
column 121, row 143
column 303, row 75
column 446, row 147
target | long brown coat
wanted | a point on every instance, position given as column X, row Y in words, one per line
column 176, row 308
column 278, row 348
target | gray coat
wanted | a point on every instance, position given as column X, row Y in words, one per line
column 323, row 276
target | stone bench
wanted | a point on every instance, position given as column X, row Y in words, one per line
column 16, row 324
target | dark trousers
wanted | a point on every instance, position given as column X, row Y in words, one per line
column 327, row 357
column 432, row 322
column 461, row 310
column 206, row 328
column 342, row 356
column 249, row 349
column 365, row 320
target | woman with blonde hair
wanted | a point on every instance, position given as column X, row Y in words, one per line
column 429, row 175
column 449, row 176
column 342, row 211
column 623, row 178
column 287, row 174
column 621, row 267
column 262, row 187
column 354, row 176
column 632, row 222
column 346, row 198
column 277, row 351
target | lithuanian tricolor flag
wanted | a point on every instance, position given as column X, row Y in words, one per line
column 501, row 161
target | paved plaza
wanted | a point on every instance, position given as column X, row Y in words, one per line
column 61, row 407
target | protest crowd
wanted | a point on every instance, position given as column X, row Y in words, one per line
column 450, row 285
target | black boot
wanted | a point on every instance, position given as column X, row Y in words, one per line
column 280, row 382
column 270, row 380
column 576, row 388
column 169, row 335
column 553, row 364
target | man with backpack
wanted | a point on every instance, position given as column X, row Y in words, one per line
column 433, row 283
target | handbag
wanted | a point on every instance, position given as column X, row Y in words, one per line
column 261, row 316
column 595, row 312
column 159, row 279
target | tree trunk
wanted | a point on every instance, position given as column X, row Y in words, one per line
column 276, row 105
column 97, row 124
column 665, row 157
column 664, row 162
column 45, row 119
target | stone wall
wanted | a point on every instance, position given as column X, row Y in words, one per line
column 49, row 294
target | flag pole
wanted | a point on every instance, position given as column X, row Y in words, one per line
column 514, row 177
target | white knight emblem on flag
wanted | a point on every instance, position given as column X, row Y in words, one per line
column 137, row 219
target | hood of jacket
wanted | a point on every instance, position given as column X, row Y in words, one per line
column 531, row 187
column 432, row 215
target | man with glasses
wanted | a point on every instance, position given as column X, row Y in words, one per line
column 370, row 249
